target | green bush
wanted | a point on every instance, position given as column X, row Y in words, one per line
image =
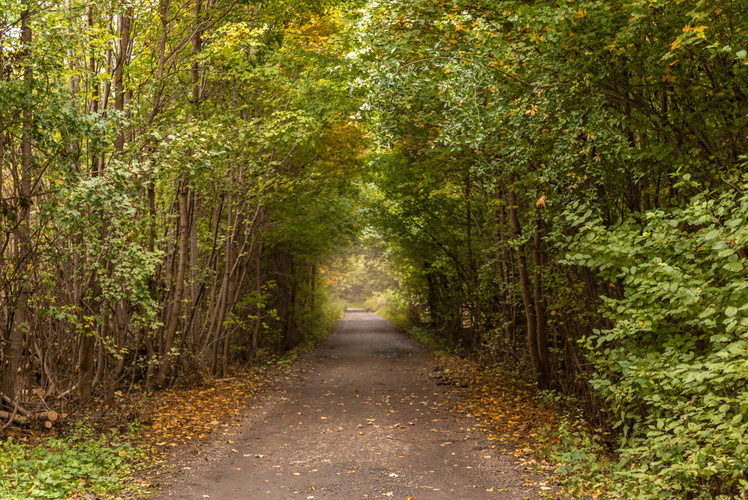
column 674, row 365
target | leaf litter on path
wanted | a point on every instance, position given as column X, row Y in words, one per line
column 508, row 412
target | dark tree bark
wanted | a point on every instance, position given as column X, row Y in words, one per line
column 21, row 235
column 524, row 280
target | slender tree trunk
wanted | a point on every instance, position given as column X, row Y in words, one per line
column 228, row 306
column 223, row 304
column 196, row 47
column 258, row 290
column 524, row 281
column 22, row 237
column 121, row 320
column 7, row 384
column 218, row 325
column 93, row 89
column 292, row 334
column 86, row 361
column 544, row 372
column 502, row 262
column 313, row 286
column 179, row 285
column 432, row 297
column 119, row 73
column 163, row 14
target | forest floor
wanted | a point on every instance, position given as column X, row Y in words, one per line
column 367, row 414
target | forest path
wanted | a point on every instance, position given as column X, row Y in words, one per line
column 360, row 417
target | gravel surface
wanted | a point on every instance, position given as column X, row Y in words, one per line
column 359, row 417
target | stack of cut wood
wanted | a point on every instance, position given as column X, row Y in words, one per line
column 20, row 415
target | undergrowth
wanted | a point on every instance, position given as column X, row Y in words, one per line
column 79, row 465
column 582, row 463
column 426, row 336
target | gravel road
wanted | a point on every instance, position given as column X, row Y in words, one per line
column 359, row 417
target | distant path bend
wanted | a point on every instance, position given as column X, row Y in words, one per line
column 361, row 418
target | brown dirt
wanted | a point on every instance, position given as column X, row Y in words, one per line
column 362, row 416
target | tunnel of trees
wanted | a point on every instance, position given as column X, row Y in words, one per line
column 555, row 187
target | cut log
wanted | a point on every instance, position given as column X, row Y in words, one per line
column 18, row 419
column 45, row 416
column 23, row 411
column 50, row 416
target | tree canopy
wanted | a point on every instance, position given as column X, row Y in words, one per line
column 559, row 186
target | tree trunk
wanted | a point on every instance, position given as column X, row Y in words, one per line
column 223, row 304
column 524, row 281
column 477, row 309
column 541, row 335
column 258, row 289
column 179, row 285
column 502, row 257
column 22, row 237
column 119, row 72
column 93, row 89
column 432, row 297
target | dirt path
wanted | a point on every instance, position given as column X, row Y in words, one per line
column 360, row 418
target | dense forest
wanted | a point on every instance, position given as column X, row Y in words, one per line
column 564, row 183
column 169, row 182
column 557, row 188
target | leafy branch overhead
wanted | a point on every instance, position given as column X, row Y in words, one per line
column 555, row 188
